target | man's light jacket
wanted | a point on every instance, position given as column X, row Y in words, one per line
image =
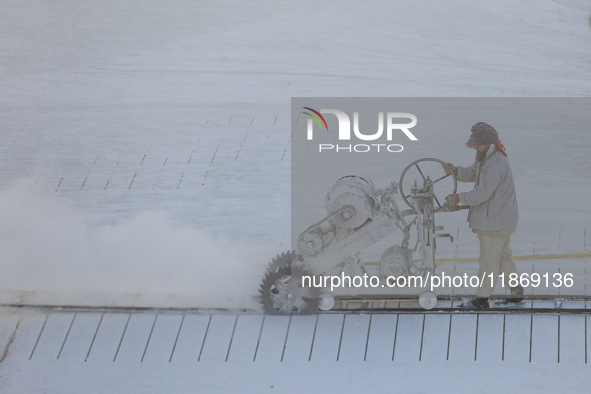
column 493, row 201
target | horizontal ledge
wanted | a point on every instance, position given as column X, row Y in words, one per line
column 521, row 257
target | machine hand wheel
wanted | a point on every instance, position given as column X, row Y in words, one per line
column 428, row 185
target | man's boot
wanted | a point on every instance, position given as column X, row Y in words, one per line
column 475, row 303
column 516, row 294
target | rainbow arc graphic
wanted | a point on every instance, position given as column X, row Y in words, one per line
column 316, row 118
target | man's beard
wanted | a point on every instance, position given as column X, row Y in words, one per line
column 480, row 156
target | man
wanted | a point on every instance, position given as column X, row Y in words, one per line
column 493, row 212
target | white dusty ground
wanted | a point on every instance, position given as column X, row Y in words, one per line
column 69, row 352
column 145, row 160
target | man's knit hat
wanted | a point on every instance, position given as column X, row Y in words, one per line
column 482, row 134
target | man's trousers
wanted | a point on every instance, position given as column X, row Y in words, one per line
column 495, row 258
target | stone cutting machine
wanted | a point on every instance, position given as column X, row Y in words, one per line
column 358, row 216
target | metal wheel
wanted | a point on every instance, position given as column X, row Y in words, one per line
column 428, row 183
column 428, row 300
column 281, row 290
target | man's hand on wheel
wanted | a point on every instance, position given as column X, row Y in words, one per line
column 451, row 201
column 449, row 168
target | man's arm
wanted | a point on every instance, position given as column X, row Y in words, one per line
column 467, row 174
column 463, row 174
column 486, row 187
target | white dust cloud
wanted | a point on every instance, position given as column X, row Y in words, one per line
column 52, row 255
